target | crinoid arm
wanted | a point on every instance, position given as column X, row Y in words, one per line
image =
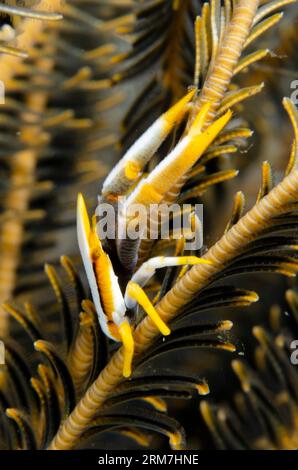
column 9, row 34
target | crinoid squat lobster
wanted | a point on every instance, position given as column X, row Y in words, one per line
column 111, row 305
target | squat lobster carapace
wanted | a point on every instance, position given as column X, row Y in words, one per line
column 111, row 306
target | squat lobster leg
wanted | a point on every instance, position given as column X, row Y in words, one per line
column 110, row 304
column 148, row 269
column 153, row 188
column 134, row 293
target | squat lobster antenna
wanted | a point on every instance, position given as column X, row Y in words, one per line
column 127, row 171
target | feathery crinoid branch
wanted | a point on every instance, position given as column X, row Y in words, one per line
column 40, row 91
column 51, row 132
column 160, row 35
column 12, row 14
column 250, row 243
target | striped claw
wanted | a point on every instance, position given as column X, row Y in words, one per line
column 130, row 167
column 149, row 268
column 125, row 333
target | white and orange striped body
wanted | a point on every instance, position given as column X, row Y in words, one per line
column 111, row 305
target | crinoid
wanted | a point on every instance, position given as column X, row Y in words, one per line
column 148, row 294
column 12, row 11
column 264, row 412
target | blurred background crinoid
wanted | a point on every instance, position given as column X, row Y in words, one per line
column 83, row 79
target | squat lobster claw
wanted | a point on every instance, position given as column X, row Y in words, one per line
column 130, row 167
column 111, row 306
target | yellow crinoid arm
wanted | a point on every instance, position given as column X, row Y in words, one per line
column 137, row 293
column 125, row 333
